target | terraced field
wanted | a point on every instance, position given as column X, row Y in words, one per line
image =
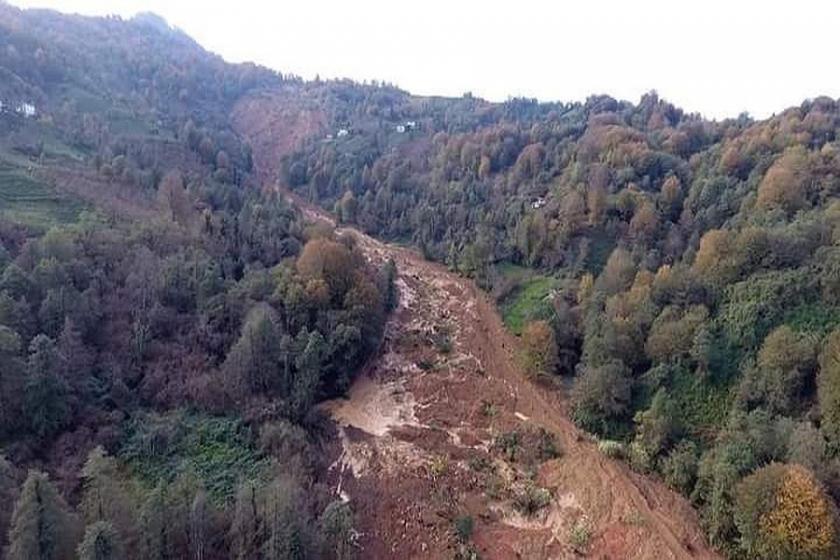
column 25, row 199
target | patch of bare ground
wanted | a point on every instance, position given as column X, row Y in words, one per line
column 275, row 123
column 443, row 424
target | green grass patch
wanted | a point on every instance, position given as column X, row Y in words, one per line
column 25, row 200
column 527, row 302
column 220, row 451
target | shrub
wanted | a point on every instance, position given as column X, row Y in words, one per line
column 580, row 535
column 679, row 467
column 611, row 448
column 531, row 499
column 508, row 444
column 464, row 527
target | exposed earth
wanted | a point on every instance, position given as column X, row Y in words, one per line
column 443, row 425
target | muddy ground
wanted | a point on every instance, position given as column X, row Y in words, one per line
column 443, row 426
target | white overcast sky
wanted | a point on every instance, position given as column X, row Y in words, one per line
column 716, row 57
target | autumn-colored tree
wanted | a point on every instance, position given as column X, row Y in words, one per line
column 331, row 262
column 714, row 259
column 672, row 333
column 644, row 223
column 784, row 184
column 174, row 199
column 573, row 211
column 784, row 362
column 783, row 512
column 618, row 273
column 539, row 348
column 155, row 532
column 348, row 207
column 596, row 204
column 671, row 196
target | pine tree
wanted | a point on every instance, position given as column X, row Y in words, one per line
column 154, row 542
column 829, row 389
column 284, row 521
column 200, row 526
column 8, row 495
column 105, row 497
column 101, row 542
column 43, row 528
column 45, row 393
column 245, row 527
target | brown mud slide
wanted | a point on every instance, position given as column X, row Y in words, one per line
column 443, row 431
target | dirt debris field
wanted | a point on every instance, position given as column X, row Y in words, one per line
column 443, row 425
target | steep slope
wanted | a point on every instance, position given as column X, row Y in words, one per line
column 421, row 432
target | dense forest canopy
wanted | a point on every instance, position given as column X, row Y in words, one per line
column 167, row 326
column 691, row 265
column 163, row 344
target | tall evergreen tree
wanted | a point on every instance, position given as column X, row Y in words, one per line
column 101, row 542
column 245, row 527
column 43, row 528
column 45, row 392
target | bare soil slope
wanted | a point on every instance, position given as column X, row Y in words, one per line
column 420, row 433
column 276, row 122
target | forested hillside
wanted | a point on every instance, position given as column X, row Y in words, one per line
column 683, row 272
column 168, row 321
column 165, row 328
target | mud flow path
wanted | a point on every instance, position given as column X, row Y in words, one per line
column 443, row 425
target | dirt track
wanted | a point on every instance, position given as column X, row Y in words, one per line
column 417, row 434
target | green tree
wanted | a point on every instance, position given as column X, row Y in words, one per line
column 101, row 542
column 337, row 530
column 155, row 538
column 107, row 497
column 285, row 522
column 42, row 528
column 252, row 364
column 245, row 527
column 829, row 388
column 785, row 362
column 601, row 396
column 45, row 392
column 658, row 426
column 309, row 364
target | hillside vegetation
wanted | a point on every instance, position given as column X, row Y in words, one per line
column 167, row 326
column 694, row 265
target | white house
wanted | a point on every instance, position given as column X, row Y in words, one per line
column 342, row 132
column 405, row 127
column 538, row 203
column 26, row 109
